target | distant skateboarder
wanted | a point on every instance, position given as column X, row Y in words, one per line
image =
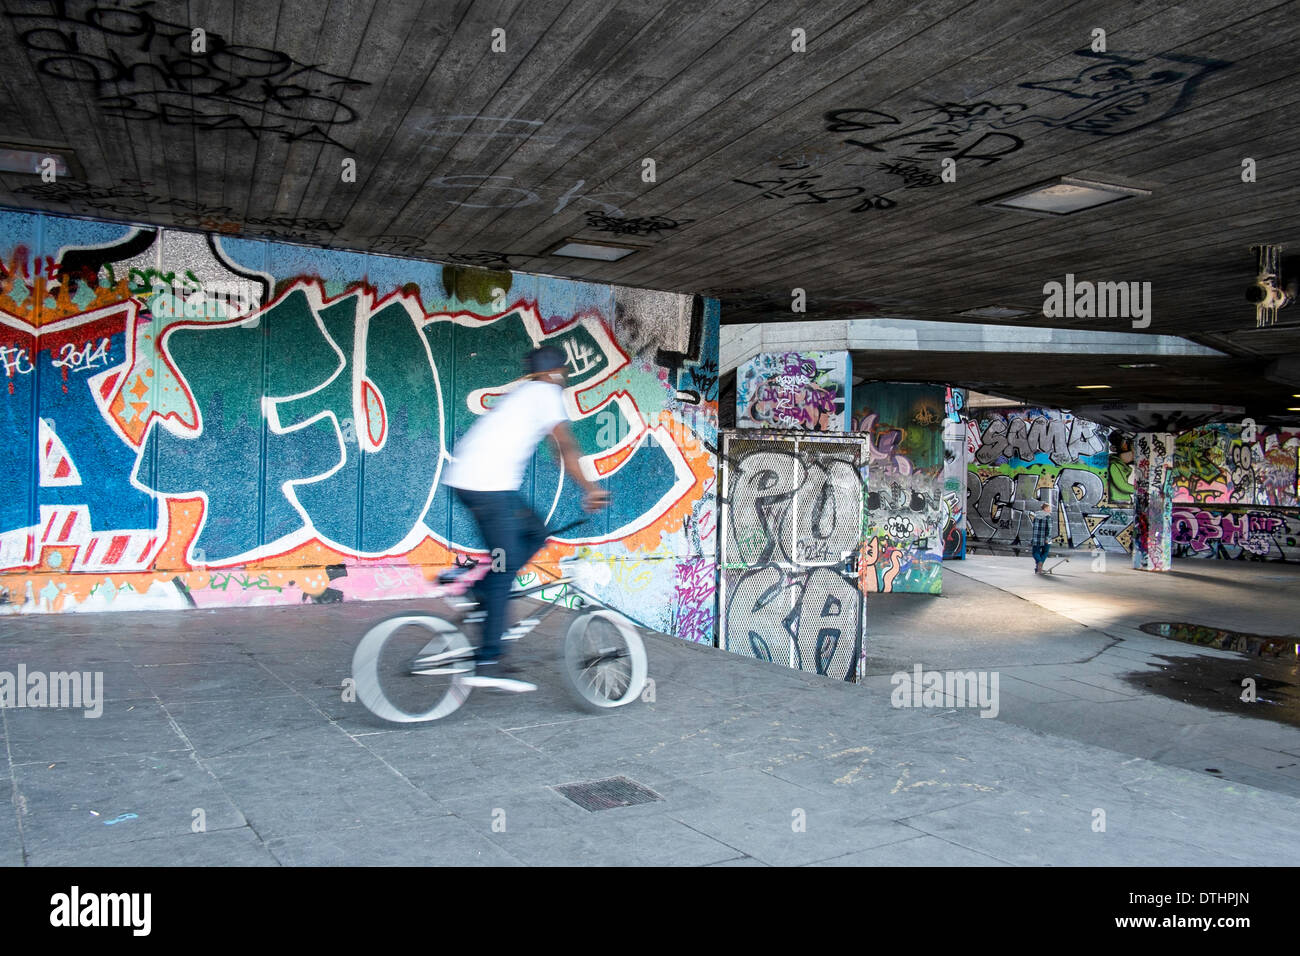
column 1042, row 536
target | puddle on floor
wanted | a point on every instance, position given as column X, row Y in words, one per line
column 1257, row 645
column 1218, row 683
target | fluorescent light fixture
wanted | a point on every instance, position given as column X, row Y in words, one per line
column 1064, row 196
column 1140, row 365
column 1092, row 386
column 18, row 159
column 587, row 249
column 995, row 312
column 1296, row 409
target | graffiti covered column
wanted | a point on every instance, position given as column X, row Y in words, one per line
column 905, row 511
column 1153, row 500
column 806, row 391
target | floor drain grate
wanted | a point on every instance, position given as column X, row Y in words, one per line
column 607, row 794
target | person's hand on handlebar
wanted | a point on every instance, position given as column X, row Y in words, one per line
column 594, row 498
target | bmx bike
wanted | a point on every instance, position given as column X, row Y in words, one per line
column 411, row 668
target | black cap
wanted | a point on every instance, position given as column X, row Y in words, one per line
column 545, row 359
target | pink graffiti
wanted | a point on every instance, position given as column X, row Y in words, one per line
column 787, row 401
column 695, row 589
column 1200, row 529
column 883, row 444
column 796, row 364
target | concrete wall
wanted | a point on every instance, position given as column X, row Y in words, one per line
column 808, row 391
column 1238, row 532
column 175, row 447
column 1228, row 464
column 905, row 512
column 1234, row 498
column 1021, row 458
column 1235, row 494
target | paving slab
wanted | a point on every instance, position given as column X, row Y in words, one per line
column 919, row 850
column 112, row 802
column 429, row 841
column 236, row 847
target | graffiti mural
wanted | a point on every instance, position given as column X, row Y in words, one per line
column 1231, row 464
column 210, row 421
column 1021, row 458
column 1241, row 533
column 803, row 390
column 905, row 426
column 793, row 522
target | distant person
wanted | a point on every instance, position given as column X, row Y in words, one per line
column 1042, row 536
column 486, row 471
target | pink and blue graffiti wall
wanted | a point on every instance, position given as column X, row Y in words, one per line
column 199, row 420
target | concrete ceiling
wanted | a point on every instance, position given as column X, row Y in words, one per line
column 775, row 169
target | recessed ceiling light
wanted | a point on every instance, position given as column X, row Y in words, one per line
column 1065, row 195
column 587, row 249
column 994, row 312
column 18, row 159
column 1092, row 386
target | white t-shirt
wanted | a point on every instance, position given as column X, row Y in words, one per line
column 494, row 453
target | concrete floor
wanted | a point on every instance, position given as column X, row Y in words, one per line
column 236, row 718
column 1072, row 662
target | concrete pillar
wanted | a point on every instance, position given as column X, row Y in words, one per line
column 1153, row 500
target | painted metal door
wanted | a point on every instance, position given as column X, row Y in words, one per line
column 794, row 523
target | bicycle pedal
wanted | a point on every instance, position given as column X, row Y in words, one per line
column 452, row 670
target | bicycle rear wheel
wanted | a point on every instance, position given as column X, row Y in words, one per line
column 603, row 661
column 409, row 668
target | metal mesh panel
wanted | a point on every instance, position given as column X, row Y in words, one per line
column 792, row 517
column 759, row 602
column 761, row 474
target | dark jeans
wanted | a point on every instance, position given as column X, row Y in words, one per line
column 506, row 523
column 1040, row 552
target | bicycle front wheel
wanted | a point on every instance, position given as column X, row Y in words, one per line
column 603, row 661
column 409, row 668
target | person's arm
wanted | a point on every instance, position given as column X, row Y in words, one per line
column 594, row 497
